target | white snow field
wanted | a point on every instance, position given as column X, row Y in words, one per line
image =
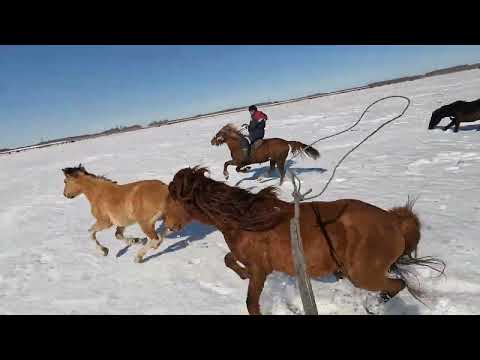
column 48, row 264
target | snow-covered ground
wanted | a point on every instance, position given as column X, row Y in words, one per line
column 48, row 264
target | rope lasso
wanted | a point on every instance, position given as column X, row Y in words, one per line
column 303, row 196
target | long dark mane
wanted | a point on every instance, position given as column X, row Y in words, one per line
column 75, row 171
column 227, row 206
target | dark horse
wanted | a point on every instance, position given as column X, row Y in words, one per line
column 350, row 237
column 274, row 150
column 458, row 112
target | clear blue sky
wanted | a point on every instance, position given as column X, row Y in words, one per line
column 48, row 92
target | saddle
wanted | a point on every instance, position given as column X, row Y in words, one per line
column 249, row 149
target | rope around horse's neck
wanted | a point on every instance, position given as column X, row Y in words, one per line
column 303, row 197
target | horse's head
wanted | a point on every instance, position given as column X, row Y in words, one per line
column 225, row 133
column 72, row 186
column 443, row 112
column 182, row 186
column 176, row 216
column 437, row 116
column 182, row 189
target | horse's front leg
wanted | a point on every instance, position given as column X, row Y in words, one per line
column 449, row 125
column 457, row 125
column 231, row 262
column 255, row 287
column 225, row 166
column 99, row 226
column 120, row 236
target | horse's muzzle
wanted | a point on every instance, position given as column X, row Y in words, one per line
column 217, row 141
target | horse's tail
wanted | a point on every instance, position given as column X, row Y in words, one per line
column 410, row 227
column 300, row 148
column 403, row 271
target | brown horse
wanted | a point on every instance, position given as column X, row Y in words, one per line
column 274, row 150
column 458, row 112
column 141, row 202
column 356, row 239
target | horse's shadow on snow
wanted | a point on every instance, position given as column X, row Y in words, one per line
column 461, row 128
column 257, row 172
column 397, row 306
column 469, row 127
column 194, row 231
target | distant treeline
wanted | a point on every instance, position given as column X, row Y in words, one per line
column 429, row 74
column 70, row 139
column 115, row 130
column 121, row 129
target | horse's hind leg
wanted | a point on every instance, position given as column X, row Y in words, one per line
column 272, row 167
column 457, row 125
column 231, row 262
column 281, row 169
column 129, row 240
column 376, row 280
column 255, row 287
column 153, row 240
column 99, row 226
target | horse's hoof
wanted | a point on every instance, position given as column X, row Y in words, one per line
column 243, row 276
column 134, row 241
column 105, row 251
column 138, row 259
column 375, row 304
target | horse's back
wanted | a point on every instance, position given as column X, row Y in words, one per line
column 347, row 205
column 364, row 217
column 146, row 198
column 463, row 106
column 353, row 228
column 359, row 231
column 274, row 143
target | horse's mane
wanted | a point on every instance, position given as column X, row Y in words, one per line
column 232, row 130
column 74, row 171
column 227, row 206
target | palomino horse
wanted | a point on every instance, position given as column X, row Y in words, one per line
column 458, row 112
column 356, row 239
column 274, row 150
column 141, row 202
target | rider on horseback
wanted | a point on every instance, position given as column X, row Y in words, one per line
column 256, row 128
